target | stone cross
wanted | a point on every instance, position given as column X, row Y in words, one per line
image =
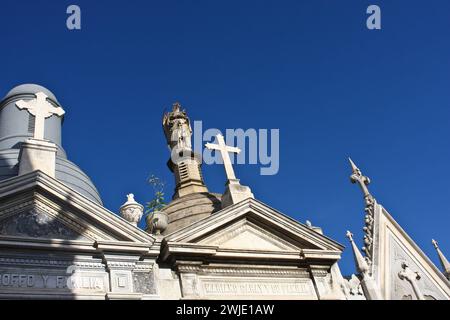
column 358, row 177
column 349, row 236
column 41, row 109
column 412, row 277
column 435, row 243
column 224, row 150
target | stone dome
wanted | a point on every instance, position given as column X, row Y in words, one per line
column 17, row 125
column 30, row 88
column 188, row 209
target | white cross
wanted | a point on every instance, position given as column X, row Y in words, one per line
column 224, row 149
column 435, row 243
column 41, row 109
column 349, row 236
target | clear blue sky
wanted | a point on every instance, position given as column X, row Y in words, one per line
column 309, row 68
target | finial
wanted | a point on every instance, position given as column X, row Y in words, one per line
column 349, row 235
column 131, row 210
column 353, row 165
column 358, row 177
column 444, row 262
column 309, row 224
column 361, row 264
column 435, row 243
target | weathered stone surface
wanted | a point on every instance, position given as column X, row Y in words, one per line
column 144, row 282
column 186, row 210
column 37, row 224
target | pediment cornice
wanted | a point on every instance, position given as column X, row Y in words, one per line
column 69, row 207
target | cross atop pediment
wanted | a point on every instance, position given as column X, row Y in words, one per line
column 41, row 109
column 234, row 192
column 224, row 150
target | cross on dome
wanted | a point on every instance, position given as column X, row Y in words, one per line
column 41, row 109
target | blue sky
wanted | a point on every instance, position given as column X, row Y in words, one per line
column 310, row 68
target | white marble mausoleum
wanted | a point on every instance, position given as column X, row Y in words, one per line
column 58, row 241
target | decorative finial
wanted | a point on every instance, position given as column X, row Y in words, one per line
column 361, row 264
column 358, row 177
column 309, row 224
column 131, row 210
column 435, row 243
column 444, row 262
column 354, row 167
column 349, row 235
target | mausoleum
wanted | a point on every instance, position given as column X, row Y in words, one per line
column 58, row 241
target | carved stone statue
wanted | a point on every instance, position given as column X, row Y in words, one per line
column 177, row 128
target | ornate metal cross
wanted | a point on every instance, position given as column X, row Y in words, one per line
column 41, row 109
column 224, row 149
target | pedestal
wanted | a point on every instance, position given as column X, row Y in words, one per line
column 235, row 192
column 38, row 155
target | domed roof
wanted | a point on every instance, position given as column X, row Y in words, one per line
column 66, row 171
column 16, row 126
column 30, row 88
column 188, row 209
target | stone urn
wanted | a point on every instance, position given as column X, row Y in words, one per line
column 131, row 210
column 157, row 222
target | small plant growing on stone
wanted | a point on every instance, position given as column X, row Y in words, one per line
column 158, row 202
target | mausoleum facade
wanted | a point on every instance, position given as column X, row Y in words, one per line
column 58, row 241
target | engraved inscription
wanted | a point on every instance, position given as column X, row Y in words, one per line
column 256, row 288
column 50, row 281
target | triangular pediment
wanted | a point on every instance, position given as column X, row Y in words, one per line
column 252, row 225
column 34, row 222
column 37, row 206
column 394, row 248
column 246, row 235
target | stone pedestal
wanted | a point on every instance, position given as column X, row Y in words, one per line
column 235, row 192
column 38, row 155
